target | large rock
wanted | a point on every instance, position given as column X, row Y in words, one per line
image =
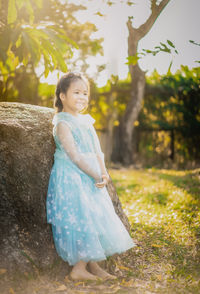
column 26, row 158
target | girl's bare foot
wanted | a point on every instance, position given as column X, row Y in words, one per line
column 82, row 275
column 98, row 271
column 79, row 272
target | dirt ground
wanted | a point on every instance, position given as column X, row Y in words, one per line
column 56, row 280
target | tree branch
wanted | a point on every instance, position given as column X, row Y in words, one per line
column 156, row 10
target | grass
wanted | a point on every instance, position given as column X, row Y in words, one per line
column 163, row 207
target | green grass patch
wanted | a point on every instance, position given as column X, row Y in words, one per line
column 163, row 207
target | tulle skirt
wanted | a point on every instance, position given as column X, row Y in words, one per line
column 85, row 225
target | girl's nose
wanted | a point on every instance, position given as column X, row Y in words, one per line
column 83, row 97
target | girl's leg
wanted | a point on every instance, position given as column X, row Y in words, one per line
column 79, row 271
column 95, row 269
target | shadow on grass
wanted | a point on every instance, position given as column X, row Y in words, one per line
column 186, row 182
column 158, row 198
column 123, row 187
column 190, row 210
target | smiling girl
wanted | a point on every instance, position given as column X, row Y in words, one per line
column 85, row 227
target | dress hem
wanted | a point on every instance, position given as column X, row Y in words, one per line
column 98, row 259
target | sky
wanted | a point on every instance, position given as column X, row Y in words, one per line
column 179, row 22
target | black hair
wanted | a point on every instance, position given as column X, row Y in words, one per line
column 63, row 85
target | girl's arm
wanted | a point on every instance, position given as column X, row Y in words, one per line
column 67, row 141
column 99, row 153
column 102, row 164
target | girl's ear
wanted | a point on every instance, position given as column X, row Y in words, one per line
column 61, row 95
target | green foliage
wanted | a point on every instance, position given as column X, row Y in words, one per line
column 167, row 48
column 133, row 59
column 24, row 41
column 197, row 44
column 109, row 101
column 172, row 102
column 46, row 93
column 35, row 33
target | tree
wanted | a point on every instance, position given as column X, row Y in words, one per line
column 137, row 80
column 36, row 33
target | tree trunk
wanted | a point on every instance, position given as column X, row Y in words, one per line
column 26, row 157
column 137, row 81
column 131, row 115
column 112, row 116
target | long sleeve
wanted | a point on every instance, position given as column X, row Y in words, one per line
column 98, row 151
column 80, row 159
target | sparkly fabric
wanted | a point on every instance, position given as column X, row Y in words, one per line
column 84, row 223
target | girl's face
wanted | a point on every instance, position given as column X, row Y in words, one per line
column 76, row 98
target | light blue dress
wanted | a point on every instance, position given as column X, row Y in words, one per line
column 85, row 225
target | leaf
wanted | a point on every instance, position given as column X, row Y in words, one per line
column 61, row 288
column 99, row 13
column 124, row 267
column 3, row 271
column 78, row 283
column 18, row 42
column 19, row 3
column 132, row 59
column 11, row 291
column 30, row 11
column 159, row 277
column 39, row 3
column 169, row 68
column 156, row 245
column 127, row 283
column 195, row 43
column 129, row 3
column 116, row 289
column 170, row 43
column 12, row 12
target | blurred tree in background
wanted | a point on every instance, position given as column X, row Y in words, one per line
column 172, row 105
column 168, row 126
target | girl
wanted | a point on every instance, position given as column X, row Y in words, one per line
column 85, row 227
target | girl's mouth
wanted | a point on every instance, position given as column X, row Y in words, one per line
column 80, row 105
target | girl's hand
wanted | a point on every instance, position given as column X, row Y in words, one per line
column 104, row 182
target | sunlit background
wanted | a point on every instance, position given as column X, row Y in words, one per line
column 154, row 106
column 179, row 22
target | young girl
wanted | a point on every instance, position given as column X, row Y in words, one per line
column 85, row 227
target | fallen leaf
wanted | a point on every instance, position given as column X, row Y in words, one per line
column 61, row 288
column 116, row 289
column 11, row 291
column 3, row 271
column 156, row 245
column 122, row 267
column 159, row 277
column 78, row 283
column 123, row 281
column 66, row 278
column 127, row 283
column 112, row 286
